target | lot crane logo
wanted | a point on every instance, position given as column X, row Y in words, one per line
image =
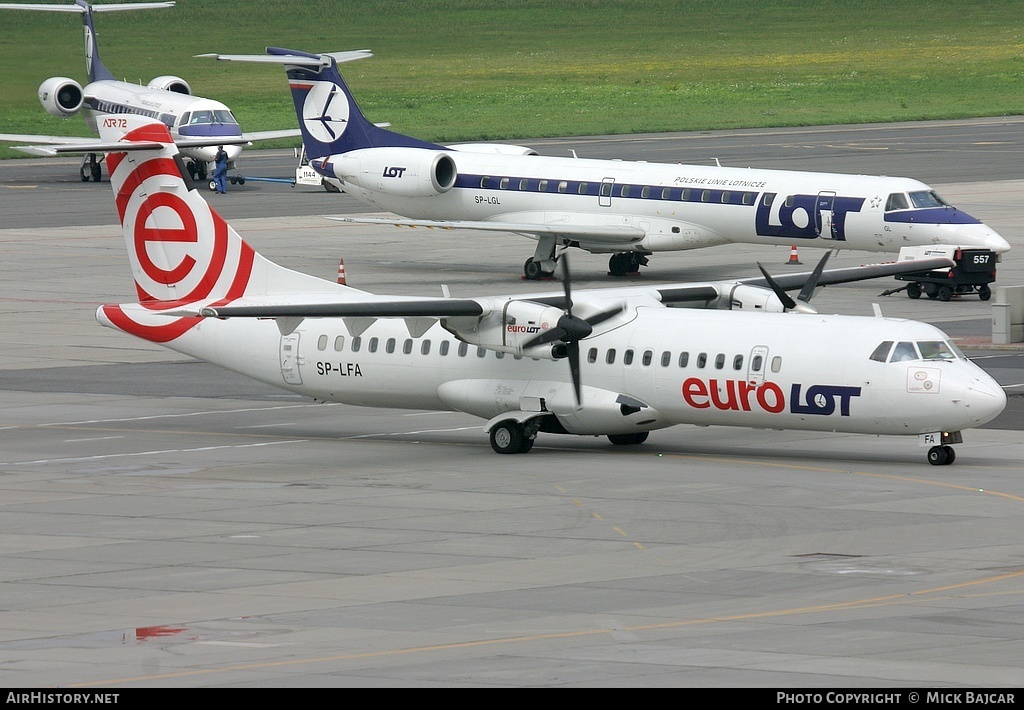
column 182, row 252
column 325, row 110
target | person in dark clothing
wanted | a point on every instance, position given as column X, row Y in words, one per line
column 220, row 170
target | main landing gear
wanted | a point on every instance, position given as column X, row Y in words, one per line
column 627, row 262
column 197, row 170
column 941, row 455
column 511, row 437
column 90, row 169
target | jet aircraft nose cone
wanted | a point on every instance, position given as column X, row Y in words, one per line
column 984, row 399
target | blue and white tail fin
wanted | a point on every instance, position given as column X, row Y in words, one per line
column 183, row 254
column 329, row 117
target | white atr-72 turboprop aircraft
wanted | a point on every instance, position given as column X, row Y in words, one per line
column 630, row 209
column 740, row 354
column 199, row 125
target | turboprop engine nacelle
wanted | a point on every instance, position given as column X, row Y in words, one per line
column 406, row 172
column 170, row 82
column 508, row 326
column 61, row 96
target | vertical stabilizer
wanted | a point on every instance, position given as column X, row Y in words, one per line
column 329, row 117
column 182, row 252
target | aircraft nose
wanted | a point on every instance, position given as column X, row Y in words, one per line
column 995, row 242
column 984, row 399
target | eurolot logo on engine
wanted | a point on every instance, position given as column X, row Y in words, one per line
column 740, row 395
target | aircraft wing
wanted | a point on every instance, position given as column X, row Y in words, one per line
column 254, row 136
column 44, row 145
column 612, row 234
column 791, row 282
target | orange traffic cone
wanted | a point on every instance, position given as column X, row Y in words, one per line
column 341, row 273
column 793, row 258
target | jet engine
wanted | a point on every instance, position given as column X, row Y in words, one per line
column 171, row 83
column 61, row 96
column 405, row 172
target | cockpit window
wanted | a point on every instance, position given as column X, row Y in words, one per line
column 201, row 117
column 927, row 198
column 904, row 351
column 881, row 353
column 896, row 201
column 223, row 117
column 935, row 350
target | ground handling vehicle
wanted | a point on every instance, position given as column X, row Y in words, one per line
column 973, row 271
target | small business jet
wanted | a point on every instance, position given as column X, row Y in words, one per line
column 629, row 209
column 200, row 125
column 616, row 362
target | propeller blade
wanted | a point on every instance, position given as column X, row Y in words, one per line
column 566, row 283
column 573, row 356
column 605, row 315
column 787, row 302
column 807, row 292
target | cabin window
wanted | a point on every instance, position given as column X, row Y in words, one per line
column 776, row 363
column 463, row 349
column 666, row 359
column 523, row 184
column 425, row 347
column 582, row 188
column 499, row 355
column 702, row 360
column 904, row 351
column 685, row 195
column 896, row 201
column 748, row 198
column 542, row 186
column 485, row 182
column 927, row 198
column 935, row 350
column 719, row 361
column 645, row 192
column 610, row 357
column 647, row 357
column 389, row 346
column 768, row 198
column 737, row 362
column 666, row 193
column 480, row 352
column 407, row 346
column 726, row 196
column 684, row 359
column 790, row 201
column 705, row 196
column 321, row 343
column 339, row 343
column 881, row 353
column 443, row 348
column 373, row 345
column 503, row 184
column 756, row 363
column 592, row 355
column 627, row 357
column 563, row 186
column 624, row 191
column 606, row 189
column 356, row 344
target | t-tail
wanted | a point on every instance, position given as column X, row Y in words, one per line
column 183, row 255
column 329, row 117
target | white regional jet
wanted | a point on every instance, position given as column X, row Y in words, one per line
column 616, row 362
column 199, row 124
column 630, row 209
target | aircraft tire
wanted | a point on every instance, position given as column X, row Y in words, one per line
column 950, row 454
column 533, row 270
column 618, row 264
column 508, row 437
column 632, row 439
column 96, row 171
column 938, row 455
column 86, row 173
